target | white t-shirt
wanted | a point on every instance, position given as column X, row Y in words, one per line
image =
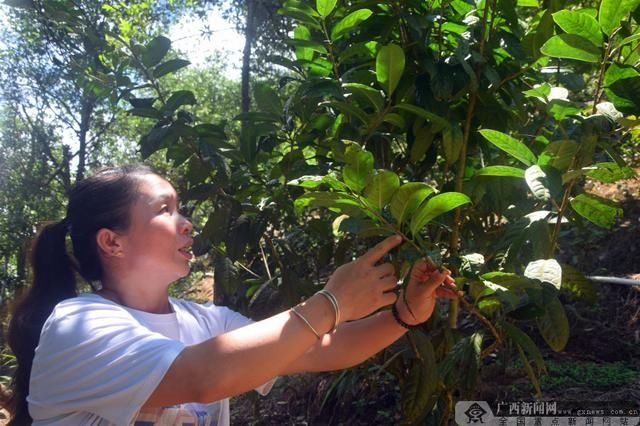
column 98, row 362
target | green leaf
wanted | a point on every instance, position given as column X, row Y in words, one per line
column 420, row 385
column 421, row 143
column 558, row 154
column 178, row 99
column 396, row 120
column 508, row 281
column 500, row 171
column 511, row 146
column 145, row 112
column 523, row 340
column 381, row 188
column 622, row 85
column 561, row 109
column 579, row 24
column 545, row 270
column 597, row 210
column 612, row 12
column 571, row 46
column 434, row 207
column 155, row 50
column 349, row 22
column 312, row 182
column 169, row 66
column 389, row 67
column 368, row 93
column 452, row 143
column 407, row 199
column 553, row 325
column 578, row 285
column 325, row 7
column 610, row 172
column 421, row 112
column 335, row 201
column 267, row 99
column 302, row 33
column 350, row 110
column 225, row 275
column 359, row 167
column 536, row 179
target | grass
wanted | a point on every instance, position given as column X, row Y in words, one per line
column 587, row 373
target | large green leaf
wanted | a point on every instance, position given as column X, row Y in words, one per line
column 390, row 66
column 419, row 387
column 537, row 181
column 334, row 201
column 368, row 93
column 553, row 324
column 325, row 7
column 178, row 99
column 267, row 98
column 155, row 50
column 225, row 274
column 434, row 207
column 610, row 172
column 442, row 123
column 359, row 167
column 508, row 281
column 302, row 33
column 545, row 270
column 381, row 188
column 622, row 83
column 511, row 146
column 523, row 340
column 500, row 171
column 169, row 66
column 571, row 46
column 452, row 139
column 612, row 12
column 580, row 24
column 558, row 154
column 597, row 210
column 407, row 199
column 350, row 22
column 577, row 284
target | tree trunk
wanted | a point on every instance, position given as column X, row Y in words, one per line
column 249, row 34
column 88, row 105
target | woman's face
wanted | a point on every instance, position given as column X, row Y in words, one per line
column 158, row 241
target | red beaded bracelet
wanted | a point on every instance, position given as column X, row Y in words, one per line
column 396, row 316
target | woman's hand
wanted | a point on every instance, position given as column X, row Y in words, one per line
column 426, row 284
column 361, row 286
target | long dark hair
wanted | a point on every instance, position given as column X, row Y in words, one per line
column 101, row 201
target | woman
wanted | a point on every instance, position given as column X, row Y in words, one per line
column 127, row 353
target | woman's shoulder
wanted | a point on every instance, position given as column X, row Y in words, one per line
column 86, row 309
column 86, row 302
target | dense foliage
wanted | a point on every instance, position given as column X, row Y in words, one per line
column 467, row 127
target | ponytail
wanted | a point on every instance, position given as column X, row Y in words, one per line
column 53, row 281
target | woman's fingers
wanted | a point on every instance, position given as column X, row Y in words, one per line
column 384, row 270
column 445, row 293
column 381, row 249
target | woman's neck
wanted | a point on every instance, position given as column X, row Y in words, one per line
column 139, row 301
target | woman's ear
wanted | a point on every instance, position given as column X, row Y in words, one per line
column 110, row 243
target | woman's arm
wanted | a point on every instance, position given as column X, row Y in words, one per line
column 351, row 344
column 246, row 358
column 355, row 342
